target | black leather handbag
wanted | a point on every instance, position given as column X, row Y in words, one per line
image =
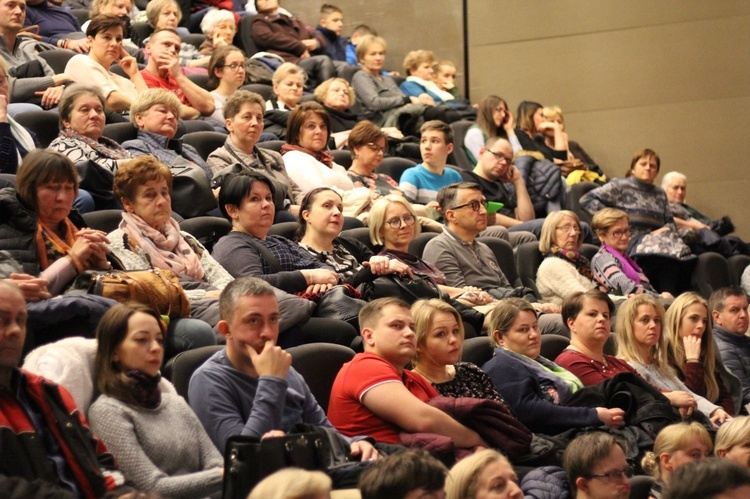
column 191, row 190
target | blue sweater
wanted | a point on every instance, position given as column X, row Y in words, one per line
column 521, row 390
column 229, row 402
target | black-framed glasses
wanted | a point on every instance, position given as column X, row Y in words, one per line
column 616, row 475
column 474, row 205
column 500, row 156
column 395, row 223
column 234, row 66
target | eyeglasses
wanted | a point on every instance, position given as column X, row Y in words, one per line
column 234, row 66
column 616, row 475
column 501, row 110
column 567, row 229
column 475, row 205
column 500, row 156
column 376, row 148
column 396, row 223
column 617, row 234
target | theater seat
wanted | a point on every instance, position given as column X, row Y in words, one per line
column 207, row 230
column 528, row 259
column 574, row 199
column 180, row 368
column 504, row 254
column 103, row 220
column 459, row 153
column 319, row 364
column 205, row 142
column 737, row 264
column 45, row 124
column 477, row 350
column 553, row 345
column 711, row 272
column 394, row 167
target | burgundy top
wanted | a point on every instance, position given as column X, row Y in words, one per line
column 694, row 379
column 590, row 371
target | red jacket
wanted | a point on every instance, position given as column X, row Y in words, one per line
column 22, row 452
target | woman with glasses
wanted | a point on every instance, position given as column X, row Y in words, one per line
column 611, row 267
column 675, row 446
column 641, row 342
column 367, row 144
column 393, row 225
column 564, row 270
column 226, row 74
column 494, row 119
column 321, row 220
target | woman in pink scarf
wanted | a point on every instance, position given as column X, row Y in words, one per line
column 148, row 236
column 613, row 269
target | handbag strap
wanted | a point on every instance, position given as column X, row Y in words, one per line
column 269, row 257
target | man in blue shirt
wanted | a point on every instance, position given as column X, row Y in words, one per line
column 54, row 23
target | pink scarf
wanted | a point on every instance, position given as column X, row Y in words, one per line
column 166, row 248
column 629, row 267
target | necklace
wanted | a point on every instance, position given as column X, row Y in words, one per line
column 447, row 373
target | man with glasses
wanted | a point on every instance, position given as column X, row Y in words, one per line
column 597, row 468
column 163, row 71
column 465, row 261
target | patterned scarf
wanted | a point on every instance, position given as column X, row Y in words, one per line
column 50, row 247
column 145, row 388
column 104, row 146
column 580, row 262
column 322, row 156
column 628, row 265
column 166, row 248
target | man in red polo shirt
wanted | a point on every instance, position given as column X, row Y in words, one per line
column 163, row 71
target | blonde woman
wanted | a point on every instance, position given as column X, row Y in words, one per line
column 675, row 446
column 485, row 473
column 691, row 352
column 733, row 441
column 293, row 483
column 641, row 342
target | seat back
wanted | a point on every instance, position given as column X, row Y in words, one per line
column 528, row 259
column 57, row 59
column 265, row 91
column 120, row 132
column 272, row 145
column 319, row 364
column 198, row 126
column 284, row 229
column 103, row 220
column 737, row 264
column 244, row 36
column 610, row 346
column 459, row 154
column 342, row 157
column 394, row 167
column 207, row 230
column 361, row 234
column 477, row 350
column 574, row 199
column 553, row 345
column 416, row 246
column 640, row 486
column 711, row 272
column 183, row 365
column 45, row 124
column 200, row 79
column 504, row 254
column 205, row 142
column 139, row 32
column 194, row 39
column 81, row 15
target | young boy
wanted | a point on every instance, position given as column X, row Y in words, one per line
column 445, row 77
column 330, row 26
column 421, row 183
column 351, row 49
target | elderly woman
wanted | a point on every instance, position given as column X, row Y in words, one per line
column 226, row 74
column 246, row 200
column 82, row 123
column 380, row 95
column 674, row 447
column 321, row 220
column 494, row 119
column 588, row 316
column 536, row 388
column 105, row 34
column 393, row 225
column 367, row 144
column 167, row 14
column 219, row 26
column 691, row 353
column 137, row 414
column 655, row 244
column 642, row 344
column 243, row 115
column 154, row 113
column 288, row 82
column 733, row 440
column 148, row 236
column 611, row 267
column 564, row 269
column 306, row 153
column 15, row 140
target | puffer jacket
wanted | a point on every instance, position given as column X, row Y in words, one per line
column 547, row 482
column 543, row 180
column 735, row 352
